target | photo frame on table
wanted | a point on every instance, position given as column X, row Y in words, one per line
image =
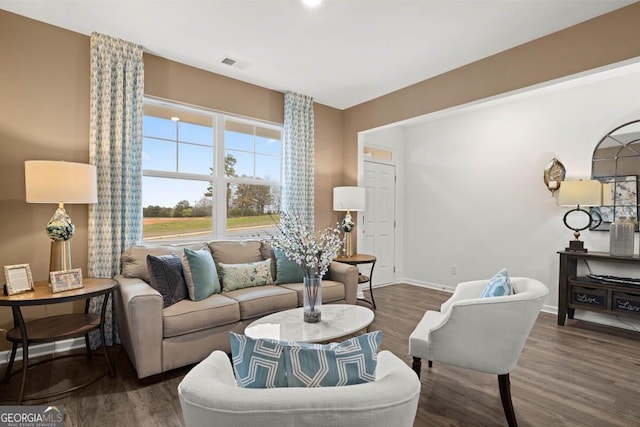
column 18, row 278
column 65, row 280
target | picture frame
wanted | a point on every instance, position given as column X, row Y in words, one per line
column 65, row 280
column 18, row 279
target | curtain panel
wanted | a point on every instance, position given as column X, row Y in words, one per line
column 297, row 191
column 115, row 222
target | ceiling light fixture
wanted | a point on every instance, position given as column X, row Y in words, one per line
column 312, row 3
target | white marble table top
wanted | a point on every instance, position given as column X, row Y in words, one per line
column 338, row 320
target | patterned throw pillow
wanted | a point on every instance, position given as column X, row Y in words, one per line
column 287, row 271
column 498, row 286
column 257, row 363
column 165, row 276
column 200, row 274
column 238, row 276
column 336, row 364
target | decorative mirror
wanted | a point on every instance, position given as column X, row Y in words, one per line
column 616, row 163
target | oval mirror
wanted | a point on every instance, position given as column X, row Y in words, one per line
column 616, row 163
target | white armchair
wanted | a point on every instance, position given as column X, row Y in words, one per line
column 483, row 334
column 209, row 396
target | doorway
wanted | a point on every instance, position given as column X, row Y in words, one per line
column 377, row 233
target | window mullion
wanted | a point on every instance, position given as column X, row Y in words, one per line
column 220, row 188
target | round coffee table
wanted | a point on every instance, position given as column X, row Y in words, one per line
column 338, row 320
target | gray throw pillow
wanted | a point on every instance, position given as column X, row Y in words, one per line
column 165, row 276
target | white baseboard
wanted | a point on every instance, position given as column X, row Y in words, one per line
column 44, row 349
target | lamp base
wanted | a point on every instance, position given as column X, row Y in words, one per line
column 576, row 246
column 60, row 255
column 348, row 245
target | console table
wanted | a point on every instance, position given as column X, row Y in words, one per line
column 55, row 328
column 356, row 260
column 594, row 295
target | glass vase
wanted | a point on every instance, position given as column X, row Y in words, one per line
column 621, row 235
column 312, row 290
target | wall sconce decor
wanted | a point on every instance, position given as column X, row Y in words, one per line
column 580, row 193
column 348, row 199
column 60, row 182
column 554, row 174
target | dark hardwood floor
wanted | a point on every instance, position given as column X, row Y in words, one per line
column 582, row 374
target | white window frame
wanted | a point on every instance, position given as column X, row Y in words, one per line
column 218, row 180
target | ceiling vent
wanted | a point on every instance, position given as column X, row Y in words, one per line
column 235, row 63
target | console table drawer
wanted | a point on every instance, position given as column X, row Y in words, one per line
column 590, row 297
column 626, row 303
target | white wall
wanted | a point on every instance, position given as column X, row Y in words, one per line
column 475, row 196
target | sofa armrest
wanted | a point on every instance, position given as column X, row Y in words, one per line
column 139, row 316
column 348, row 275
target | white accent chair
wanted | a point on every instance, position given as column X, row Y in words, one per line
column 483, row 334
column 209, row 396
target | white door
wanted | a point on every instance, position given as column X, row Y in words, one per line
column 377, row 234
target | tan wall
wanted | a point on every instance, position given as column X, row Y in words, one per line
column 44, row 115
column 603, row 40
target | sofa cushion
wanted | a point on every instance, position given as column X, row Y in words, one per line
column 287, row 271
column 200, row 274
column 190, row 316
column 134, row 259
column 165, row 274
column 235, row 252
column 257, row 363
column 263, row 300
column 331, row 291
column 336, row 364
column 238, row 276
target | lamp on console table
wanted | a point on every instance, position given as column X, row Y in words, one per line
column 580, row 193
column 348, row 199
column 60, row 182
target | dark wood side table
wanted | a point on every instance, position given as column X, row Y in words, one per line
column 55, row 328
column 356, row 260
column 585, row 293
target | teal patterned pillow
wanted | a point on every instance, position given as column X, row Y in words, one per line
column 287, row 271
column 238, row 276
column 498, row 286
column 257, row 363
column 336, row 364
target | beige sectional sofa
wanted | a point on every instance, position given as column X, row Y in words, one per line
column 158, row 339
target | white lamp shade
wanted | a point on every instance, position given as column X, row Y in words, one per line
column 349, row 198
column 583, row 193
column 60, row 182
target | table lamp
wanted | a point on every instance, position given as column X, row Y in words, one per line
column 60, row 182
column 580, row 193
column 348, row 199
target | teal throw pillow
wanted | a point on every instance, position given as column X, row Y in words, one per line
column 257, row 363
column 498, row 286
column 336, row 364
column 200, row 274
column 287, row 271
column 239, row 276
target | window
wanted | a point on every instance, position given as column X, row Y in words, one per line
column 207, row 175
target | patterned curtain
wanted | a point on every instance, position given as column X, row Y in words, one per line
column 115, row 222
column 297, row 191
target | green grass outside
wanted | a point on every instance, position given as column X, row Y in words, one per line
column 154, row 227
